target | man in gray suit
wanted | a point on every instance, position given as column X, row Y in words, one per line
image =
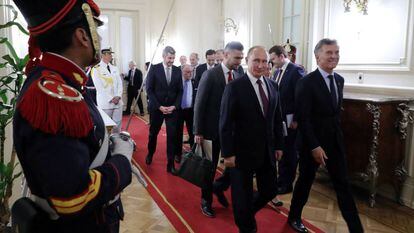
column 207, row 111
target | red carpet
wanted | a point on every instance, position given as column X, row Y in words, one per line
column 180, row 200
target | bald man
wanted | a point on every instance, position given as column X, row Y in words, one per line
column 251, row 138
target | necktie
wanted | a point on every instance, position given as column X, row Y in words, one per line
column 279, row 76
column 109, row 69
column 193, row 73
column 185, row 99
column 333, row 91
column 168, row 75
column 230, row 78
column 265, row 100
column 132, row 77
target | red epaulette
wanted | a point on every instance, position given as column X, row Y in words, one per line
column 52, row 106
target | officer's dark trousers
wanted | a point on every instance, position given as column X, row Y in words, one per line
column 156, row 119
column 336, row 166
column 287, row 165
column 245, row 201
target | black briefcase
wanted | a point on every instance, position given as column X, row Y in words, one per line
column 27, row 217
column 196, row 169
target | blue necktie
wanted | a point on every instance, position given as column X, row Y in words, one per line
column 184, row 100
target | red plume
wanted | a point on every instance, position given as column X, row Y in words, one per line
column 34, row 54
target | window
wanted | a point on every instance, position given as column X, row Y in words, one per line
column 19, row 39
column 292, row 23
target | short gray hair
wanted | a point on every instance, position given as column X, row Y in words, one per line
column 234, row 45
column 324, row 41
column 186, row 66
column 168, row 50
column 132, row 63
column 195, row 54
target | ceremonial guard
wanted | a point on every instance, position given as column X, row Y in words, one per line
column 108, row 84
column 59, row 135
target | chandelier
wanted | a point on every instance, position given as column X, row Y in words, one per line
column 362, row 5
column 230, row 25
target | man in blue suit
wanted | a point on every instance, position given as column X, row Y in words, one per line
column 210, row 59
column 165, row 90
column 287, row 75
column 251, row 139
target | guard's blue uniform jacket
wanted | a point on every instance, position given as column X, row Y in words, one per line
column 58, row 131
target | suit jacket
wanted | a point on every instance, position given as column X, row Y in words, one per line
column 137, row 79
column 207, row 103
column 318, row 118
column 158, row 90
column 239, row 72
column 244, row 130
column 287, row 88
column 199, row 72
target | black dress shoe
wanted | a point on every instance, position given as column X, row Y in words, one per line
column 277, row 203
column 221, row 198
column 284, row 189
column 172, row 171
column 177, row 159
column 124, row 113
column 171, row 168
column 148, row 159
column 297, row 225
column 207, row 210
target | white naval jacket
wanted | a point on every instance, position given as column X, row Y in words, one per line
column 108, row 85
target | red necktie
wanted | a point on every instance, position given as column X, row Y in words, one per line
column 230, row 78
column 265, row 100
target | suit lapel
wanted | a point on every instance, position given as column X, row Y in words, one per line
column 285, row 75
column 271, row 96
column 340, row 90
column 220, row 75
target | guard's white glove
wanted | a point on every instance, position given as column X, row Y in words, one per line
column 122, row 144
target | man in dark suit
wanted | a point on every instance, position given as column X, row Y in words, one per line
column 207, row 110
column 134, row 79
column 186, row 112
column 165, row 89
column 287, row 76
column 319, row 99
column 251, row 139
column 210, row 63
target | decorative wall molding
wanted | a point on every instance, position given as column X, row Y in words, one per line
column 396, row 51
